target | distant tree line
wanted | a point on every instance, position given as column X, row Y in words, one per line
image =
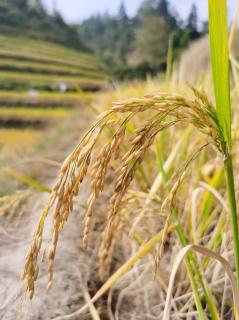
column 139, row 45
column 130, row 47
column 29, row 18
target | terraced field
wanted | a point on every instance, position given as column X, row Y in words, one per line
column 40, row 83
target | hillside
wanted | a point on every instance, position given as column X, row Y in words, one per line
column 45, row 74
column 40, row 82
column 26, row 63
column 187, row 71
column 29, row 18
column 133, row 47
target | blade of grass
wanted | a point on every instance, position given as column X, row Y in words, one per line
column 93, row 311
column 220, row 67
column 220, row 64
column 193, row 272
column 169, row 58
column 143, row 250
column 164, row 169
column 27, row 180
column 207, row 203
column 200, row 249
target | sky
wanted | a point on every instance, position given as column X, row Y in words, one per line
column 75, row 11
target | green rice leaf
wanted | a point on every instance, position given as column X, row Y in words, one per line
column 27, row 180
column 220, row 63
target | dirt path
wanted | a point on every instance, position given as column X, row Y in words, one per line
column 66, row 294
column 73, row 267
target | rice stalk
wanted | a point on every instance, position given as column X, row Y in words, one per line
column 193, row 269
column 143, row 250
column 220, row 67
column 169, row 68
column 161, row 177
column 91, row 159
column 200, row 249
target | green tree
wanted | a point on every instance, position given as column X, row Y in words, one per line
column 136, row 45
column 146, row 10
column 29, row 18
column 152, row 41
column 192, row 21
column 122, row 15
column 163, row 9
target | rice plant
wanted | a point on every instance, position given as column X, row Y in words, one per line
column 220, row 68
column 117, row 145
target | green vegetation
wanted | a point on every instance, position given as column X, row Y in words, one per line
column 40, row 82
column 35, row 114
column 44, row 66
column 220, row 68
column 43, row 99
column 26, row 17
column 136, row 46
column 43, row 75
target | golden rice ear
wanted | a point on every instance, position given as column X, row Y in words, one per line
column 98, row 177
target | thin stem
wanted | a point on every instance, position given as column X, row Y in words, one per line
column 233, row 210
column 221, row 78
column 192, row 264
